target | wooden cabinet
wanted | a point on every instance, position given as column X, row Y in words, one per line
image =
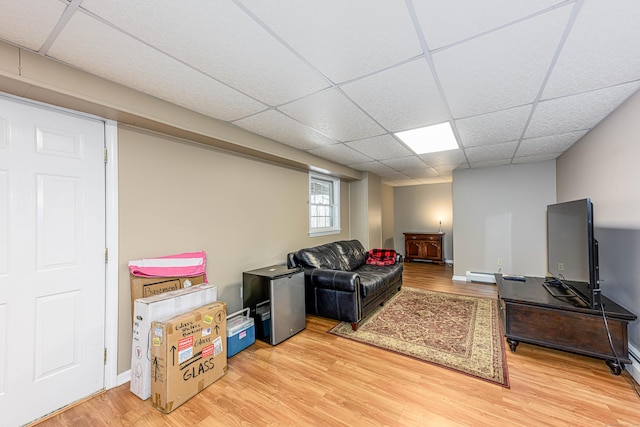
column 424, row 246
column 531, row 314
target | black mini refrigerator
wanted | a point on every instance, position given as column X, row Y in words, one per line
column 275, row 298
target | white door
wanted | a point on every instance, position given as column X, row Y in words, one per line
column 52, row 261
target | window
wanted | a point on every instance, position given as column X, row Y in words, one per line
column 324, row 205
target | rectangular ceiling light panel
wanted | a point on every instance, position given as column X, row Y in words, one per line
column 430, row 139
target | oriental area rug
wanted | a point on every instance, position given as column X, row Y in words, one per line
column 457, row 332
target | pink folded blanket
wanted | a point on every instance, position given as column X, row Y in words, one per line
column 188, row 264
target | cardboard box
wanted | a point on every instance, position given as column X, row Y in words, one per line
column 188, row 354
column 241, row 332
column 143, row 287
column 159, row 307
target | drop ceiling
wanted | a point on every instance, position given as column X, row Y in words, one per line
column 520, row 81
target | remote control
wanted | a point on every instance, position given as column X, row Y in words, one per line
column 514, row 277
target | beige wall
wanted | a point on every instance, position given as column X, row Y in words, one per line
column 374, row 211
column 388, row 216
column 418, row 208
column 358, row 210
column 178, row 197
column 366, row 211
column 604, row 167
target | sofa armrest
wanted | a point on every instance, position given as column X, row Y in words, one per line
column 344, row 281
column 291, row 260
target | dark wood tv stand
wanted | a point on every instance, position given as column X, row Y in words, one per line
column 530, row 314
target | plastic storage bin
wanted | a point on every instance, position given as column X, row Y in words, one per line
column 240, row 332
column 263, row 319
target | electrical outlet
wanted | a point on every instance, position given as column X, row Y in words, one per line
column 560, row 266
column 499, row 261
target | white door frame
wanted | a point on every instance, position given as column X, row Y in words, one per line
column 111, row 234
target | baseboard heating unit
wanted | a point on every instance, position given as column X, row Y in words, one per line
column 634, row 367
column 474, row 276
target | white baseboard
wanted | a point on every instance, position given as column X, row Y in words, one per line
column 459, row 278
column 476, row 276
column 124, row 377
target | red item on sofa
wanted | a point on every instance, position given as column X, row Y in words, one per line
column 381, row 257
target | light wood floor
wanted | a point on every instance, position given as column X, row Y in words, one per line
column 316, row 378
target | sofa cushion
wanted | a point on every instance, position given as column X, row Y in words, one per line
column 374, row 279
column 351, row 253
column 323, row 256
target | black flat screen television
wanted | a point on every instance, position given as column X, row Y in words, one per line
column 573, row 251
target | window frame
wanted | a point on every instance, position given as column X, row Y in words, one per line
column 334, row 205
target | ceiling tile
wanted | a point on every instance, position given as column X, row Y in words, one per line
column 503, row 151
column 601, row 50
column 405, row 163
column 396, row 176
column 220, row 40
column 468, row 19
column 340, row 153
column 447, row 169
column 375, row 167
column 434, row 180
column 402, row 182
column 400, row 98
column 315, row 75
column 489, row 164
column 380, row 147
column 342, row 39
column 462, row 167
column 421, row 173
column 444, row 158
column 548, row 144
column 332, row 114
column 492, row 128
column 29, row 23
column 577, row 112
column 501, row 69
column 275, row 125
column 99, row 49
column 536, row 158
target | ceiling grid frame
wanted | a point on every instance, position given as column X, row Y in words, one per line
column 371, row 48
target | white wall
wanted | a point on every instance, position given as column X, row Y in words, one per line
column 500, row 213
column 603, row 166
column 418, row 208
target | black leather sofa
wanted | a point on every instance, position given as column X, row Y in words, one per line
column 340, row 285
